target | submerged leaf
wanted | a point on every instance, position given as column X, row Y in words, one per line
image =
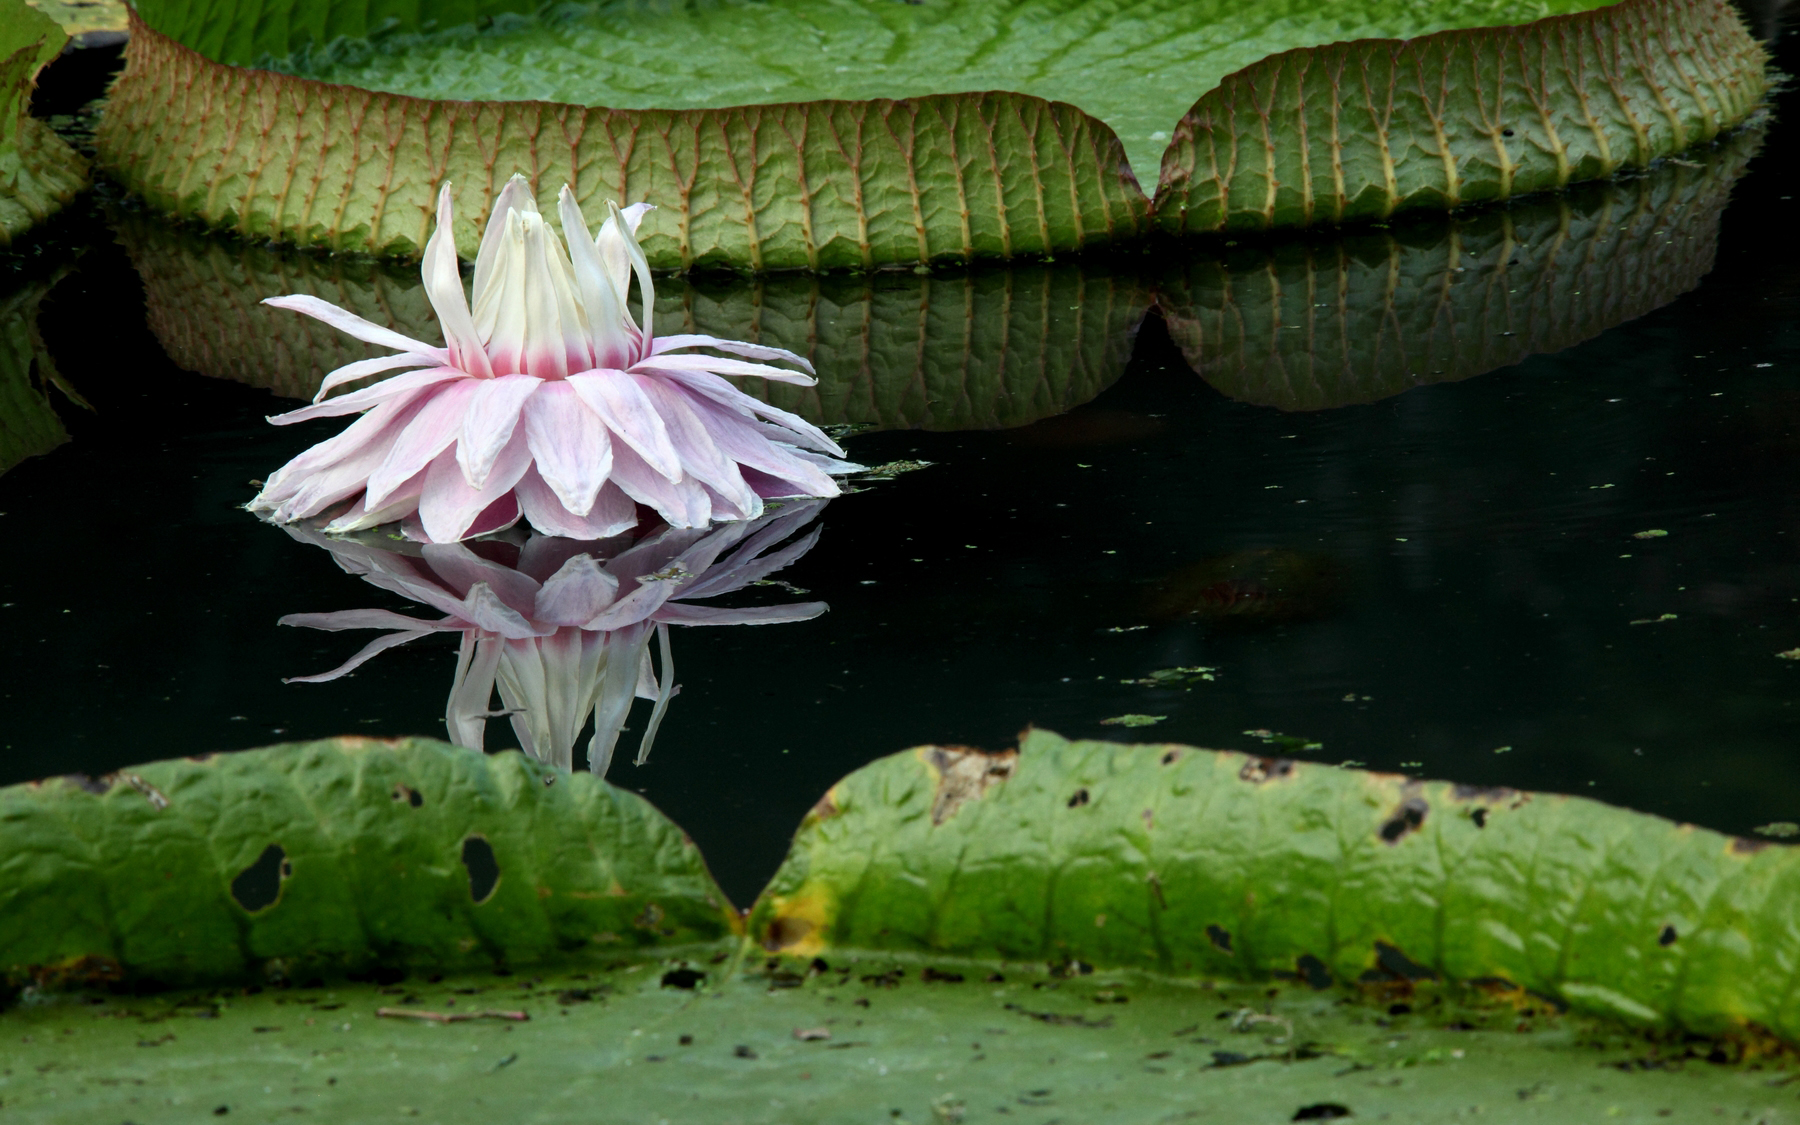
column 39, row 172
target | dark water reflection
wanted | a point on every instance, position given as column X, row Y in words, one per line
column 1446, row 580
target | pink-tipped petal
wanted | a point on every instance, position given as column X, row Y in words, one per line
column 739, row 440
column 631, row 416
column 694, row 444
column 546, row 513
column 727, row 397
column 569, row 445
column 459, row 569
column 516, row 193
column 443, row 288
column 735, row 347
column 612, row 335
column 483, row 609
column 498, row 516
column 448, row 507
column 490, row 423
column 348, row 322
column 438, row 423
column 318, row 490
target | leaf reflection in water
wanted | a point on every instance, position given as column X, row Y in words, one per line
column 986, row 349
column 1315, row 323
column 563, row 627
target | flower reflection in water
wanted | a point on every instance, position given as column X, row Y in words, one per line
column 562, row 627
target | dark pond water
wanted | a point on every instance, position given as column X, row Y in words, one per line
column 1329, row 474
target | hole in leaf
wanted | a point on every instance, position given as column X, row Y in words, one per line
column 1506, row 132
column 682, row 978
column 1313, row 972
column 1079, row 799
column 1479, row 816
column 258, row 886
column 408, row 794
column 484, row 869
column 1220, row 937
column 1668, row 936
column 1407, row 818
column 1321, row 1111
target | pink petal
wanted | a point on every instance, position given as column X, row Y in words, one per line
column 345, row 321
column 629, row 413
column 449, row 506
column 396, row 387
column 739, row 440
column 498, row 516
column 679, row 613
column 569, row 446
column 363, row 619
column 612, row 514
column 401, row 502
column 728, row 397
column 489, row 423
column 681, row 503
column 736, row 347
column 461, row 570
column 483, row 609
column 700, row 455
column 438, row 423
column 516, row 193
column 472, row 689
column 373, row 649
column 318, row 490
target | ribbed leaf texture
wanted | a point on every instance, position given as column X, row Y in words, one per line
column 332, row 857
column 1325, row 322
column 817, row 185
column 39, row 172
column 1211, row 863
column 1365, row 129
column 977, row 350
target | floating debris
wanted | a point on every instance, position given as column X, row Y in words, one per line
column 1654, row 620
column 1790, row 654
column 1132, row 720
column 1289, row 742
column 893, row 469
column 1502, row 749
column 1124, row 628
column 1781, row 829
column 1653, row 533
column 1175, row 677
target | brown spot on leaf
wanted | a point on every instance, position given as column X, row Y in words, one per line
column 1258, row 770
column 1668, row 936
column 786, row 930
column 1493, row 794
column 824, row 808
column 1171, row 757
column 1079, row 799
column 1220, row 937
column 98, row 786
column 1406, row 819
column 1744, row 845
column 964, row 774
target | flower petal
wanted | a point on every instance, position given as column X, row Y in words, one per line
column 444, row 289
column 345, row 321
column 472, row 689
column 736, row 347
column 448, row 506
column 611, row 332
column 569, row 445
column 694, row 444
column 710, row 386
column 629, row 414
column 484, row 610
column 401, row 502
column 363, row 368
column 517, row 194
column 364, row 619
column 490, row 422
column 461, row 570
column 719, row 365
column 369, row 651
column 681, row 503
column 739, row 439
column 438, row 423
column 612, row 514
column 680, row 613
column 577, row 593
column 396, row 387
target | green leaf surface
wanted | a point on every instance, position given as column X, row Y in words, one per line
column 39, row 173
column 1136, row 66
column 1216, row 864
column 988, row 349
column 331, row 857
column 985, row 129
column 1325, row 322
column 886, row 1040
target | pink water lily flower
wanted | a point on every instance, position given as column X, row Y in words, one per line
column 547, row 401
column 562, row 627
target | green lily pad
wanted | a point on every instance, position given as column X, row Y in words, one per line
column 982, row 350
column 39, row 173
column 852, row 1038
column 1322, row 323
column 783, row 134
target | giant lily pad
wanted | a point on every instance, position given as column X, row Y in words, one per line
column 1059, row 931
column 954, row 132
column 980, row 350
column 39, row 173
column 1320, row 323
